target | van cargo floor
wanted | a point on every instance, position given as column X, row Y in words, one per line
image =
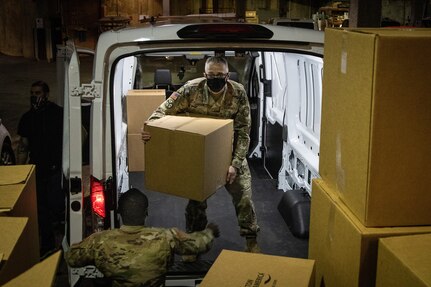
column 274, row 237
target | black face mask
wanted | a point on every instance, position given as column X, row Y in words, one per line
column 216, row 84
column 37, row 103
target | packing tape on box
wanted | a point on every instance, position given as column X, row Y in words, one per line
column 331, row 226
column 343, row 62
column 340, row 183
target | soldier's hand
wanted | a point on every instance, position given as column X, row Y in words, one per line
column 231, row 174
column 214, row 228
column 146, row 136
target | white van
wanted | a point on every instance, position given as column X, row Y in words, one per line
column 280, row 68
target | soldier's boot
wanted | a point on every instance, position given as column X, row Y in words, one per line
column 251, row 245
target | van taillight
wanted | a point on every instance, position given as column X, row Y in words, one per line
column 97, row 197
column 225, row 31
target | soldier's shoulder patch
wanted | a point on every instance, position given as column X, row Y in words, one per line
column 174, row 96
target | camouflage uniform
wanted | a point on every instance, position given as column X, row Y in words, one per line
column 195, row 98
column 137, row 255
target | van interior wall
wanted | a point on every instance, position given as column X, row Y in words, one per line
column 184, row 68
column 181, row 69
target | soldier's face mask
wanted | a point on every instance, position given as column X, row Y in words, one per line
column 38, row 98
column 216, row 82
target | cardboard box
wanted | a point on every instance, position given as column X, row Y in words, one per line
column 135, row 152
column 18, row 199
column 344, row 249
column 404, row 261
column 16, row 244
column 42, row 274
column 233, row 268
column 187, row 156
column 140, row 105
column 376, row 132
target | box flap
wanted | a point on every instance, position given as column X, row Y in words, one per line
column 9, row 195
column 204, row 126
column 170, row 122
column 42, row 274
column 11, row 229
column 14, row 174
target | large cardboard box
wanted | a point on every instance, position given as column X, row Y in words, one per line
column 42, row 274
column 187, row 156
column 376, row 132
column 344, row 249
column 18, row 199
column 404, row 261
column 140, row 105
column 16, row 244
column 234, row 268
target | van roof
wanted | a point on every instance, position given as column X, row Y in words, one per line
column 232, row 37
column 167, row 31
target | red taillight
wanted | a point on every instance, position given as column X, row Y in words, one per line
column 97, row 197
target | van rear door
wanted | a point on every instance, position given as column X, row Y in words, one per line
column 290, row 105
column 72, row 145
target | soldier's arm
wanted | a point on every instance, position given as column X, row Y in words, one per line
column 175, row 104
column 192, row 243
column 22, row 150
column 81, row 254
column 242, row 125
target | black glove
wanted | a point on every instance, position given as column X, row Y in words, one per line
column 214, row 228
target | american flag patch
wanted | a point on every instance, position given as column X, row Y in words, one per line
column 174, row 96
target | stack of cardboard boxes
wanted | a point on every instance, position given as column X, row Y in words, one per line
column 140, row 104
column 374, row 153
column 19, row 235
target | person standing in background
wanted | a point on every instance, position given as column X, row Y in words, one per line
column 41, row 141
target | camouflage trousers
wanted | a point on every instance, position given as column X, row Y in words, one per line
column 241, row 192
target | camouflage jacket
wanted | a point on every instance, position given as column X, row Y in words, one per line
column 195, row 98
column 136, row 255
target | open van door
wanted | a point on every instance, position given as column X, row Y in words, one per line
column 290, row 96
column 72, row 149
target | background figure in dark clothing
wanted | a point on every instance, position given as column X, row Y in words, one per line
column 41, row 131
